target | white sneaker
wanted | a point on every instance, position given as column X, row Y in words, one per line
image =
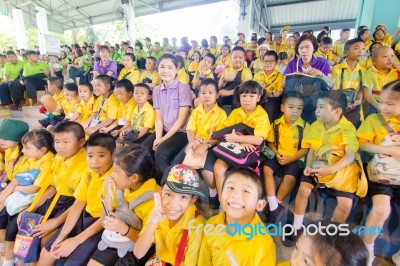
column 396, row 258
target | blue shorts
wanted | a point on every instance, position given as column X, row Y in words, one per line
column 51, row 121
column 293, row 169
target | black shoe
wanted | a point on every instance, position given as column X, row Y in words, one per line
column 213, row 202
column 290, row 240
column 275, row 215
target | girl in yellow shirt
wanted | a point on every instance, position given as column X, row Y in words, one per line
column 130, row 71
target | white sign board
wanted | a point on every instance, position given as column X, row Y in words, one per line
column 53, row 45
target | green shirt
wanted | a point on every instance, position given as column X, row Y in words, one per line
column 167, row 48
column 157, row 55
column 38, row 68
column 12, row 70
column 86, row 66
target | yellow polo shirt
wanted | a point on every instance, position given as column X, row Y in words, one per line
column 209, row 75
column 87, row 108
column 110, row 107
column 183, row 76
column 351, row 78
column 329, row 56
column 143, row 210
column 131, row 74
column 10, row 165
column 43, row 164
column 89, row 190
column 215, row 50
column 338, row 48
column 67, row 173
column 204, row 124
column 167, row 239
column 61, row 101
column 221, row 60
column 271, row 83
column 72, row 106
column 246, row 73
column 373, row 131
column 258, row 65
column 124, row 109
column 259, row 250
column 375, row 79
column 258, row 120
column 154, row 76
column 193, row 66
column 146, row 117
column 288, row 135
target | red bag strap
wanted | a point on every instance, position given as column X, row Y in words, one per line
column 183, row 244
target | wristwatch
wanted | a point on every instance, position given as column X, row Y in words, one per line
column 209, row 144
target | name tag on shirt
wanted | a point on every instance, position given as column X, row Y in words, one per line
column 121, row 122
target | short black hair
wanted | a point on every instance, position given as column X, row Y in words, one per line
column 70, row 126
column 248, row 173
column 104, row 47
column 143, row 85
column 102, row 140
column 87, row 84
column 10, row 53
column 326, row 40
column 290, row 95
column 56, row 81
column 271, row 53
column 209, row 81
column 106, row 79
column 71, row 87
column 304, row 37
column 238, row 48
column 350, row 42
column 126, row 84
column 210, row 55
column 336, row 99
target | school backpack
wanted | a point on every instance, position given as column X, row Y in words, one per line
column 384, row 169
column 233, row 153
column 307, row 87
column 125, row 213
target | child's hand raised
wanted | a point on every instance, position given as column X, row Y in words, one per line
column 157, row 215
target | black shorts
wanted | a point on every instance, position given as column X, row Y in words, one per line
column 51, row 121
column 82, row 253
column 109, row 257
column 9, row 223
column 330, row 191
column 292, row 169
column 379, row 189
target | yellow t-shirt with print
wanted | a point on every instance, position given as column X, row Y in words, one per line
column 272, row 82
column 131, row 74
column 145, row 117
column 258, row 120
column 67, row 173
column 373, row 131
column 351, row 78
column 167, row 239
column 107, row 108
column 204, row 124
column 259, row 250
column 89, row 190
column 154, row 77
column 375, row 79
column 183, row 76
column 288, row 135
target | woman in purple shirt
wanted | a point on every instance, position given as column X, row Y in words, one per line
column 105, row 65
column 305, row 61
column 172, row 101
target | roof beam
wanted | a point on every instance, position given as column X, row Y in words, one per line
column 292, row 3
column 151, row 6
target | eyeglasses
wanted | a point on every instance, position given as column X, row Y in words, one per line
column 269, row 61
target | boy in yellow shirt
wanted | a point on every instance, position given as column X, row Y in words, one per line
column 107, row 112
column 78, row 238
column 285, row 141
column 241, row 198
column 331, row 161
column 85, row 91
column 150, row 75
column 173, row 210
column 381, row 73
column 338, row 47
column 324, row 51
column 72, row 108
column 204, row 72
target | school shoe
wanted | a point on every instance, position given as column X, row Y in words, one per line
column 396, row 258
column 213, row 202
column 275, row 215
column 291, row 240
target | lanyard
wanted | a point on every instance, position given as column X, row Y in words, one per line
column 101, row 107
column 138, row 119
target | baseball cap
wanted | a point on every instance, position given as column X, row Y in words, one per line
column 182, row 179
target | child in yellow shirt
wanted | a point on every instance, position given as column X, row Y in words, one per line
column 182, row 75
column 338, row 47
column 173, row 210
column 258, row 64
column 107, row 111
column 132, row 179
column 285, row 141
column 72, row 106
column 130, row 71
column 85, row 91
column 204, row 72
column 324, row 51
column 241, row 197
column 195, row 64
column 38, row 150
column 124, row 91
column 78, row 238
column 223, row 61
column 150, row 75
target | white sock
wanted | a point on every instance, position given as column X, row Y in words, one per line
column 279, row 201
column 370, row 248
column 3, row 246
column 8, row 263
column 298, row 221
column 273, row 203
column 213, row 192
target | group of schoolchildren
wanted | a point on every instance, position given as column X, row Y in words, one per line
column 127, row 140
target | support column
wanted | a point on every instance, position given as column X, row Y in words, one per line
column 245, row 19
column 41, row 21
column 130, row 21
column 19, row 27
